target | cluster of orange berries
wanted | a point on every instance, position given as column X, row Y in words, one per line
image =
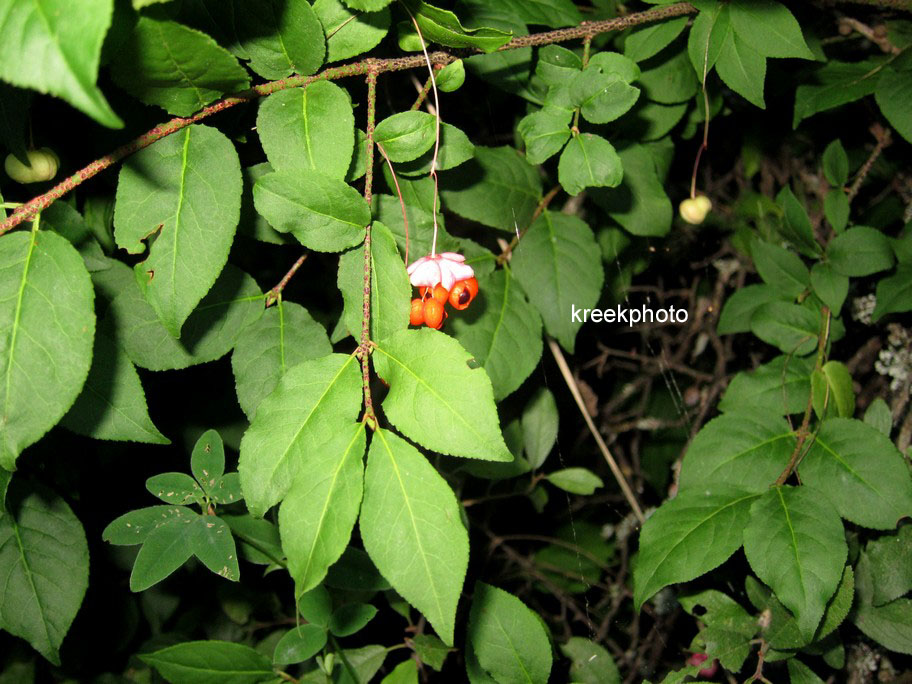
column 429, row 308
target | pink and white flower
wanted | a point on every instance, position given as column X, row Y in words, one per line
column 446, row 269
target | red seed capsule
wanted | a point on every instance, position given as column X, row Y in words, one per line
column 433, row 314
column 416, row 314
column 463, row 293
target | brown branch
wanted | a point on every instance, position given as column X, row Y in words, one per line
column 273, row 295
column 364, row 348
column 883, row 140
column 440, row 58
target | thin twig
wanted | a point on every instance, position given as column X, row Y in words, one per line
column 574, row 390
column 542, row 205
column 364, row 349
column 275, row 293
column 883, row 140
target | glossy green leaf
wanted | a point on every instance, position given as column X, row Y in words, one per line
column 406, row 136
column 68, row 37
column 498, row 188
column 590, row 663
column 539, row 427
column 502, row 331
column 746, row 449
column 310, row 128
column 860, row 251
column 322, row 212
column 860, row 471
column 602, row 97
column 351, row 618
column 285, row 335
column 112, row 404
column 455, row 149
column 47, row 325
column 741, row 306
column 575, row 480
column 557, row 64
column 442, row 26
column 780, row 268
column 791, row 328
column 210, row 662
column 44, row 562
column 690, row 535
column 175, row 67
column 451, row 77
column 589, row 161
column 769, row 28
column 350, row 33
column 544, row 133
column 742, row 68
column 280, row 37
column 431, row 382
column 782, row 385
column 894, row 293
column 558, row 265
column 299, row 644
column 895, row 101
column 645, row 41
column 640, row 203
column 186, row 190
column 309, row 412
column 836, row 164
column 796, row 544
column 830, row 286
column 411, row 527
column 319, row 512
column 508, row 639
column 233, row 303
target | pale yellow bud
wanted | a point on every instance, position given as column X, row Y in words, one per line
column 43, row 165
column 694, row 209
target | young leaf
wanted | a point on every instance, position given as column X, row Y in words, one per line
column 830, row 286
column 769, row 28
column 319, row 512
column 502, row 331
column 559, row 267
column 690, row 535
column 742, row 68
column 589, row 161
column 498, row 188
column 451, row 77
column 205, row 662
column 575, row 480
column 185, row 189
column 442, row 26
column 299, row 644
column 539, row 426
column 69, row 38
column 590, row 663
column 308, row 413
column 310, row 128
column 175, row 488
column 207, row 461
column 836, row 209
column 44, row 562
column 411, row 527
column 284, row 336
column 324, row 213
column 646, row 41
column 436, row 398
column 406, row 136
column 836, row 164
column 176, row 67
column 796, row 544
column 602, row 97
column 860, row 471
column 860, row 251
column 112, row 404
column 350, row 33
column 164, row 550
column 233, row 303
column 280, row 37
column 746, row 449
column 47, row 325
column 507, row 638
column 544, row 133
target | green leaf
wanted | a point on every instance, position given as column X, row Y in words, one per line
column 590, row 663
column 135, row 527
column 308, row 129
column 68, row 37
column 879, row 416
column 836, row 209
column 640, row 203
column 207, row 461
column 706, row 37
column 299, row 644
column 186, row 190
column 895, row 102
column 436, row 398
column 451, row 77
column 259, row 539
column 175, row 488
column 44, row 561
column 323, row 213
column 796, row 544
column 746, row 449
column 645, row 41
column 280, row 37
column 742, row 68
column 368, row 5
column 406, row 136
column 553, row 13
column 361, row 664
column 412, row 529
column 498, row 188
column 284, row 336
column 782, row 385
column 350, row 33
column 539, row 427
column 790, row 327
column 351, row 618
column 799, row 673
column 780, row 268
column 837, row 83
column 233, row 303
column 164, row 550
column 729, row 629
column 589, row 161
column 112, row 404
column 769, row 28
column 544, row 133
column 502, row 331
column 836, row 164
column 559, row 266
column 212, row 543
column 889, row 625
column 405, row 672
column 575, row 480
column 557, row 65
column 860, row 471
column 890, row 565
column 741, row 306
column 210, row 662
column 308, row 413
column 175, row 67
column 841, row 394
column 431, row 650
column 319, row 512
column 442, row 26
column 689, row 536
column 455, row 149
column 796, row 224
column 670, row 79
column 602, row 97
column 830, row 286
column 860, row 251
column 47, row 325
column 507, row 638
column 390, row 288
column 894, row 293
